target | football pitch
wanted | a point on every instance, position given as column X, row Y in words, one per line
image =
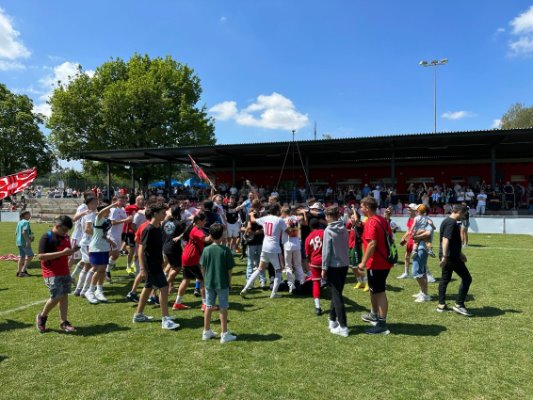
column 283, row 350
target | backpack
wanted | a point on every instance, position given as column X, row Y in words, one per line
column 392, row 251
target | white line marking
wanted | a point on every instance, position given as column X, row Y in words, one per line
column 22, row 307
column 500, row 248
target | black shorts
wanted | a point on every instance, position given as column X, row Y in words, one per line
column 129, row 239
column 193, row 272
column 156, row 280
column 174, row 260
column 377, row 280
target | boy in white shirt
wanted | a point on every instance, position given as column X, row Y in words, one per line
column 292, row 250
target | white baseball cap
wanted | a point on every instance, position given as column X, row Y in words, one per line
column 316, row 206
column 413, row 207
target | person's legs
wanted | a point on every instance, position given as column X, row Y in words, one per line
column 163, row 301
column 143, row 299
column 298, row 269
column 288, row 268
column 336, row 278
column 251, row 280
column 182, row 288
column 20, row 265
column 445, row 279
column 63, row 307
column 466, row 279
column 27, row 262
column 48, row 306
column 224, row 319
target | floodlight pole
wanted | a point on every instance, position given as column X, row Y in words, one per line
column 434, row 64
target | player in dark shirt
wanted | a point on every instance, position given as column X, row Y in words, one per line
column 173, row 230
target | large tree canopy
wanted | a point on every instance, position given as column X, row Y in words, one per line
column 518, row 116
column 22, row 143
column 139, row 103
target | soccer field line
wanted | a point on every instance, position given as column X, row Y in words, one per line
column 2, row 313
column 501, row 248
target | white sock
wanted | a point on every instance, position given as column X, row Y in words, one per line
column 317, row 302
column 137, row 266
column 252, row 279
column 110, row 265
column 277, row 281
column 81, row 281
column 359, row 279
column 178, row 299
column 92, row 288
column 88, row 280
column 100, row 288
column 77, row 269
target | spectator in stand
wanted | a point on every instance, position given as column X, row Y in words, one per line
column 509, row 194
column 481, row 203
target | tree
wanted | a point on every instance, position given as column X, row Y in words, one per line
column 518, row 116
column 21, row 140
column 139, row 103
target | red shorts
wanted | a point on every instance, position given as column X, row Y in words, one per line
column 316, row 273
column 409, row 247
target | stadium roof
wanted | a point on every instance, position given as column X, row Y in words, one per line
column 514, row 144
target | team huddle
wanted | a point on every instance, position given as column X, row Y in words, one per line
column 312, row 245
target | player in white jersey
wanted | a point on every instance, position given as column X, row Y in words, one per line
column 292, row 250
column 87, row 223
column 273, row 228
column 118, row 218
column 76, row 237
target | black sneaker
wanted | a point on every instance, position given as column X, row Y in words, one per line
column 379, row 329
column 370, row 318
column 108, row 276
column 197, row 292
column 132, row 296
column 318, row 311
column 461, row 310
column 40, row 323
column 442, row 308
column 153, row 300
column 67, row 327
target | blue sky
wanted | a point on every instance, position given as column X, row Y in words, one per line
column 270, row 66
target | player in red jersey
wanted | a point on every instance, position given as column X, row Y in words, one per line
column 313, row 252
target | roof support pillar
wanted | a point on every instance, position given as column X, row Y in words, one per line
column 233, row 171
column 393, row 170
column 493, row 167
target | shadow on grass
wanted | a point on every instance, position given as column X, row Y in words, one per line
column 2, row 289
column 103, row 329
column 487, row 311
column 391, row 288
column 352, row 305
column 192, row 323
column 476, row 245
column 453, row 297
column 257, row 337
column 11, row 325
column 416, row 329
column 2, row 358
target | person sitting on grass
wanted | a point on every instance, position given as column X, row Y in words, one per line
column 151, row 259
column 217, row 264
column 54, row 251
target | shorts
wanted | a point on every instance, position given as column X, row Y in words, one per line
column 356, row 255
column 85, row 254
column 272, row 258
column 377, row 279
column 409, row 247
column 59, row 285
column 117, row 240
column 76, row 255
column 174, row 260
column 193, row 272
column 25, row 251
column 316, row 273
column 465, row 224
column 156, row 280
column 129, row 239
column 420, row 263
column 234, row 230
column 211, row 297
column 99, row 258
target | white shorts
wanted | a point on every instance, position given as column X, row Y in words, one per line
column 273, row 258
column 234, row 230
column 85, row 254
column 76, row 255
column 118, row 241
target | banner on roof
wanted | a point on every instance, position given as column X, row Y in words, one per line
column 16, row 183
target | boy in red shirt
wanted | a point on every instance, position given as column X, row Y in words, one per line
column 313, row 251
column 54, row 251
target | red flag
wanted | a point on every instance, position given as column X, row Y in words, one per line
column 15, row 183
column 199, row 171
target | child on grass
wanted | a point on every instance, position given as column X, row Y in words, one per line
column 217, row 264
column 24, row 239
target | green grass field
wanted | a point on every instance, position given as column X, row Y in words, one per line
column 283, row 350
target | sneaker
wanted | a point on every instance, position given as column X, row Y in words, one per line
column 124, row 252
column 77, row 292
column 318, row 311
column 108, row 277
column 153, row 300
column 141, row 318
column 91, row 297
column 332, row 324
column 379, row 329
column 405, row 275
column 180, row 306
column 227, row 337
column 40, row 323
column 442, row 308
column 370, row 318
column 128, row 269
column 430, row 278
column 168, row 324
column 417, row 294
column 275, row 296
column 461, row 310
column 431, row 253
column 100, row 296
column 339, row 330
column 291, row 288
column 366, row 288
column 132, row 296
column 358, row 285
column 206, row 335
column 422, row 298
column 197, row 293
column 243, row 293
column 67, row 327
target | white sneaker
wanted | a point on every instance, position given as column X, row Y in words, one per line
column 344, row 332
column 431, row 279
column 417, row 294
column 227, row 337
column 90, row 296
column 332, row 324
column 206, row 335
column 405, row 275
column 167, row 323
column 100, row 296
column 291, row 288
column 141, row 318
column 422, row 298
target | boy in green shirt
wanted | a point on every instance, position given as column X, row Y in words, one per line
column 217, row 263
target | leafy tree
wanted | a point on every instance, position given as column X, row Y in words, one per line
column 518, row 116
column 21, row 140
column 138, row 103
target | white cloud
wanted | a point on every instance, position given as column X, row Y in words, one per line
column 455, row 115
column 273, row 111
column 222, row 19
column 11, row 47
column 496, row 123
column 522, row 27
column 500, row 30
